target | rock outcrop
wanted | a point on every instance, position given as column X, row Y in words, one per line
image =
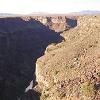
column 57, row 23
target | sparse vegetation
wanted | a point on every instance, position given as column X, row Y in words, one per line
column 56, row 72
column 45, row 93
column 98, row 74
column 71, row 63
column 45, row 96
column 87, row 88
column 61, row 94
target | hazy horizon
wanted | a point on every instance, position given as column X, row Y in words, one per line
column 48, row 6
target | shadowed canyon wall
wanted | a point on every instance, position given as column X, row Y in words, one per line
column 22, row 41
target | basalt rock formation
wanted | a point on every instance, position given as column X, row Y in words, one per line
column 57, row 23
column 21, row 43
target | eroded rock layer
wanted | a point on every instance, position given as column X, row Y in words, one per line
column 57, row 23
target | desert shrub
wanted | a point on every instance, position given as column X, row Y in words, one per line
column 45, row 93
column 94, row 44
column 87, row 88
column 98, row 73
column 44, row 97
column 56, row 72
column 61, row 94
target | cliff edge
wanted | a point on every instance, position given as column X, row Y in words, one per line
column 70, row 70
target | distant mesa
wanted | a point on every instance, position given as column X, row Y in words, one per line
column 46, row 13
column 8, row 15
column 70, row 13
column 90, row 12
column 85, row 12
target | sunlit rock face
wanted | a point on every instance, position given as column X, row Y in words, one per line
column 56, row 23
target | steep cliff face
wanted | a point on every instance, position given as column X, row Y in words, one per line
column 70, row 70
column 57, row 23
column 21, row 43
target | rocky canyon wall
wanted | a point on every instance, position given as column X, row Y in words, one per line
column 22, row 41
column 57, row 23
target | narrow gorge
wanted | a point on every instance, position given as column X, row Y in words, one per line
column 22, row 41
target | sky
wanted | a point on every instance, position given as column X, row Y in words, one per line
column 47, row 6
